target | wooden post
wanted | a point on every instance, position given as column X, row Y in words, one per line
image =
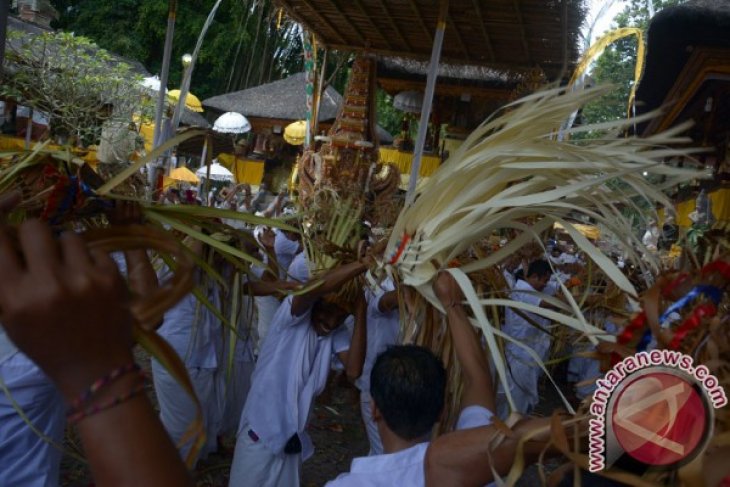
column 4, row 10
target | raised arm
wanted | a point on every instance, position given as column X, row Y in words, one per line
column 68, row 311
column 469, row 457
column 331, row 282
column 269, row 288
column 478, row 388
column 354, row 358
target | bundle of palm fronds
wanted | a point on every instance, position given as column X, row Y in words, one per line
column 512, row 175
column 60, row 188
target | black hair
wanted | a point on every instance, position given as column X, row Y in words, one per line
column 408, row 385
column 520, row 274
column 539, row 268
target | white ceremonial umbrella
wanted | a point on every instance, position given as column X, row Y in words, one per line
column 409, row 101
column 232, row 123
column 217, row 173
column 152, row 83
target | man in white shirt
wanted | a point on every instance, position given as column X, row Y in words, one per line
column 383, row 329
column 286, row 246
column 524, row 372
column 291, row 371
column 408, row 385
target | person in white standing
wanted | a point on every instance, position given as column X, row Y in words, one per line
column 524, row 373
column 291, row 371
column 383, row 329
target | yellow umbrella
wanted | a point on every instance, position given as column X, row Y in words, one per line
column 294, row 132
column 185, row 175
column 191, row 101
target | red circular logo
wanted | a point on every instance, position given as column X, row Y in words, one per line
column 660, row 419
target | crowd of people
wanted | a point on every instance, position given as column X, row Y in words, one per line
column 67, row 357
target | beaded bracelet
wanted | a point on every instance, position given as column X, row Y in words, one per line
column 76, row 416
column 102, row 382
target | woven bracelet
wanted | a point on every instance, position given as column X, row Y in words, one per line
column 102, row 382
column 76, row 416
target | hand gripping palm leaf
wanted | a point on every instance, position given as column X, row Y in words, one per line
column 512, row 176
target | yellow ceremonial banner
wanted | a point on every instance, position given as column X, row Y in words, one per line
column 402, row 160
column 147, row 131
column 720, row 207
column 245, row 170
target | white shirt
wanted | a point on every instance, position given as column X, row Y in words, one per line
column 285, row 251
column 299, row 268
column 291, row 371
column 406, row 467
column 382, row 331
column 518, row 327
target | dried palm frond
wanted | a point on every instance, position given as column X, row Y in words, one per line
column 512, row 175
column 59, row 188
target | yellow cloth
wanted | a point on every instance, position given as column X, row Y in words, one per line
column 720, row 207
column 402, row 160
column 10, row 143
column 588, row 231
column 245, row 170
column 147, row 131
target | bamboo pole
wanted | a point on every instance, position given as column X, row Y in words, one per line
column 165, row 70
column 433, row 70
column 320, row 90
column 185, row 85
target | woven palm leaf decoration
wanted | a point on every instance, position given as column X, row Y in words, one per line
column 512, row 175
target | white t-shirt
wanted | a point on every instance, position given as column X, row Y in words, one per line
column 291, row 371
column 382, row 331
column 405, row 467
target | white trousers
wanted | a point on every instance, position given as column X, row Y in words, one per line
column 371, row 428
column 177, row 409
column 254, row 465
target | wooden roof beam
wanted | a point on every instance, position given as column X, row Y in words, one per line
column 459, row 39
column 483, row 26
column 326, row 22
column 521, row 21
column 395, row 28
column 359, row 6
column 350, row 24
column 429, row 34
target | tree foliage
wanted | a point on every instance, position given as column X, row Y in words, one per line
column 616, row 64
column 245, row 46
column 68, row 77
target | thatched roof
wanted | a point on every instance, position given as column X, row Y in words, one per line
column 673, row 35
column 284, row 99
column 406, row 68
column 193, row 119
column 502, row 34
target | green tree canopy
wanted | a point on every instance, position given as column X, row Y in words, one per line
column 616, row 64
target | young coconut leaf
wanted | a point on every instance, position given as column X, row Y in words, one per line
column 511, row 173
